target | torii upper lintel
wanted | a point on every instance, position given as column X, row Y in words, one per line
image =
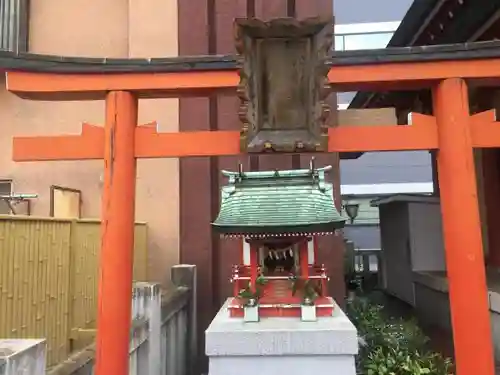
column 374, row 70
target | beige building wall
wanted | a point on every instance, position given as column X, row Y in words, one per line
column 96, row 28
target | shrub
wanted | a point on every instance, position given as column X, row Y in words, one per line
column 394, row 361
column 392, row 346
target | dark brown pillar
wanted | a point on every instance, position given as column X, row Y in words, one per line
column 200, row 177
column 330, row 249
column 229, row 250
column 491, row 185
column 267, row 10
column 196, row 177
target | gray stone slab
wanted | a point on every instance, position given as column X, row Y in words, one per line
column 289, row 365
column 276, row 345
column 334, row 335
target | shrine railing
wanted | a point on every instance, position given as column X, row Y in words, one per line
column 367, row 261
column 363, row 262
column 163, row 332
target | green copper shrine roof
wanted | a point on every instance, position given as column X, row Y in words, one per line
column 278, row 202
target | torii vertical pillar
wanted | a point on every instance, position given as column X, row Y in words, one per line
column 462, row 231
column 117, row 246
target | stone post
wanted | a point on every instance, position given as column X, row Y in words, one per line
column 146, row 303
column 22, row 356
column 184, row 275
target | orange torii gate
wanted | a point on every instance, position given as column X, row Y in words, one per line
column 451, row 130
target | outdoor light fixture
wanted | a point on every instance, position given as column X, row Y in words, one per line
column 352, row 210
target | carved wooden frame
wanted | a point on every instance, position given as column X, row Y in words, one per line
column 277, row 113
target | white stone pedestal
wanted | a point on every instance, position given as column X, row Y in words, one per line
column 286, row 346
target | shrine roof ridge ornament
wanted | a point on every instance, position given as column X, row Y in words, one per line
column 277, row 173
column 30, row 62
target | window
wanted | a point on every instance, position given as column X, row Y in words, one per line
column 366, row 41
column 339, row 42
column 362, row 41
column 366, row 28
column 5, row 190
column 14, row 25
column 361, row 36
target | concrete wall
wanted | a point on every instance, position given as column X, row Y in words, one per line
column 396, row 256
column 432, row 304
column 412, row 241
column 112, row 28
column 426, row 236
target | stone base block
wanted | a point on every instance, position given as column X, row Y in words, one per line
column 22, row 356
column 281, row 345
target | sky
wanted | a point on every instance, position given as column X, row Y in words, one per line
column 354, row 11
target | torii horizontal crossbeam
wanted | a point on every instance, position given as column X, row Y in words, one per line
column 421, row 135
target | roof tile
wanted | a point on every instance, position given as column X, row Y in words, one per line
column 278, row 202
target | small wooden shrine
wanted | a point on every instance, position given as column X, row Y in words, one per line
column 278, row 215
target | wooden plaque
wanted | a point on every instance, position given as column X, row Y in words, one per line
column 283, row 84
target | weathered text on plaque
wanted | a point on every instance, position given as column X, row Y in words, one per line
column 283, row 84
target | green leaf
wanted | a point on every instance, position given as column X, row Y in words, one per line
column 392, row 346
column 261, row 280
